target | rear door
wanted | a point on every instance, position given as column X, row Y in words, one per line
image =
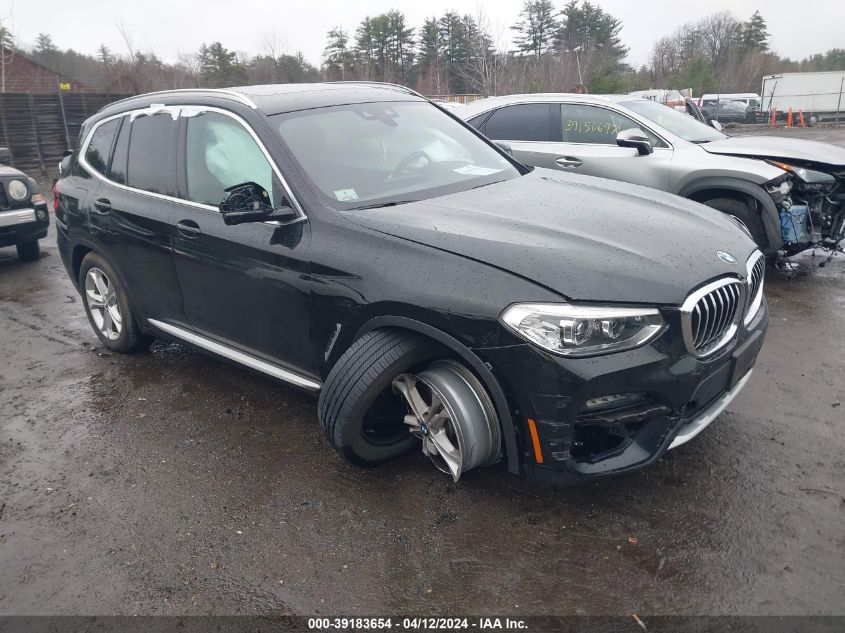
column 526, row 127
column 130, row 213
column 244, row 285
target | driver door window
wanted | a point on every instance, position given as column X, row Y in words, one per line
column 221, row 153
column 595, row 125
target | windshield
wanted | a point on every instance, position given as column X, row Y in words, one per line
column 676, row 122
column 376, row 154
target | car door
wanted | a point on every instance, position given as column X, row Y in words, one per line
column 526, row 127
column 129, row 212
column 245, row 286
column 587, row 145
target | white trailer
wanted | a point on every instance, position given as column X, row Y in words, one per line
column 820, row 96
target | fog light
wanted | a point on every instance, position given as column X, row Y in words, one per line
column 41, row 214
column 613, row 401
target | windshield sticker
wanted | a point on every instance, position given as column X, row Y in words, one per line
column 475, row 170
column 345, row 194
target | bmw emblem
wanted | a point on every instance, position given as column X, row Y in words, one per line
column 424, row 430
column 726, row 257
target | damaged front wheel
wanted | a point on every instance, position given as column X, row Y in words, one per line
column 394, row 391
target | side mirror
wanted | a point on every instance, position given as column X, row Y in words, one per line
column 635, row 138
column 5, row 155
column 716, row 125
column 250, row 202
column 505, row 147
column 64, row 165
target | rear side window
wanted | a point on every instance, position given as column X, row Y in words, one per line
column 476, row 121
column 527, row 122
column 220, row 153
column 97, row 154
column 151, row 154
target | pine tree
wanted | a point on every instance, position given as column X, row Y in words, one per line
column 218, row 66
column 337, row 54
column 536, row 29
column 753, row 34
column 105, row 56
column 44, row 46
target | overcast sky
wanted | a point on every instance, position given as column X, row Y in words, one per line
column 179, row 26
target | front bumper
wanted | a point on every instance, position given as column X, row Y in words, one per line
column 23, row 225
column 680, row 395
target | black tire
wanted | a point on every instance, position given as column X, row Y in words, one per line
column 29, row 251
column 358, row 383
column 741, row 210
column 130, row 339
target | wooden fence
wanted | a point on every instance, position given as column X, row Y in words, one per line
column 38, row 128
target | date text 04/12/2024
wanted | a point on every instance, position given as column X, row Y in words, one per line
column 417, row 624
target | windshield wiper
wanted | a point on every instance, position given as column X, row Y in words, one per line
column 381, row 205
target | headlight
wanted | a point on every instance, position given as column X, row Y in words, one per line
column 583, row 330
column 17, row 190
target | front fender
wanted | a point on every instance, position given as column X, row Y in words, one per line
column 768, row 210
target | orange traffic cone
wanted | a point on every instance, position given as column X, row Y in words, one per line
column 801, row 119
column 773, row 118
column 789, row 118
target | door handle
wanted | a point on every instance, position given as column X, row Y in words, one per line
column 188, row 228
column 569, row 161
column 103, row 205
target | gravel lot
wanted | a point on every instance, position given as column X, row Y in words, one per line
column 169, row 483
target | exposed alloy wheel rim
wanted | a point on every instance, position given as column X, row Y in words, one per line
column 102, row 303
column 451, row 413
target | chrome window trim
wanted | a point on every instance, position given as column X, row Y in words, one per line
column 757, row 300
column 236, row 355
column 689, row 305
column 176, row 111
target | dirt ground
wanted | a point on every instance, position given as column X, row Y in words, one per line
column 169, row 483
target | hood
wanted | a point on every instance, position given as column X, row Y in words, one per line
column 11, row 172
column 786, row 149
column 586, row 238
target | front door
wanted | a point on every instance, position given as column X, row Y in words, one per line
column 245, row 285
column 588, row 146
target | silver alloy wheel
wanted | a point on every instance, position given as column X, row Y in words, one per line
column 102, row 303
column 452, row 414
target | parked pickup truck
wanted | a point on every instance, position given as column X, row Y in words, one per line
column 23, row 211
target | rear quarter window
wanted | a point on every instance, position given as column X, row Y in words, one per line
column 99, row 148
column 117, row 169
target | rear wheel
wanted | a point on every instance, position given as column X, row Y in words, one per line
column 29, row 251
column 394, row 391
column 749, row 216
column 107, row 306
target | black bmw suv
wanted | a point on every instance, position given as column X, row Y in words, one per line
column 359, row 242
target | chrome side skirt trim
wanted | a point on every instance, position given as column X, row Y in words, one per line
column 236, row 355
column 691, row 429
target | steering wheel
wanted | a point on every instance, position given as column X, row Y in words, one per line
column 406, row 163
